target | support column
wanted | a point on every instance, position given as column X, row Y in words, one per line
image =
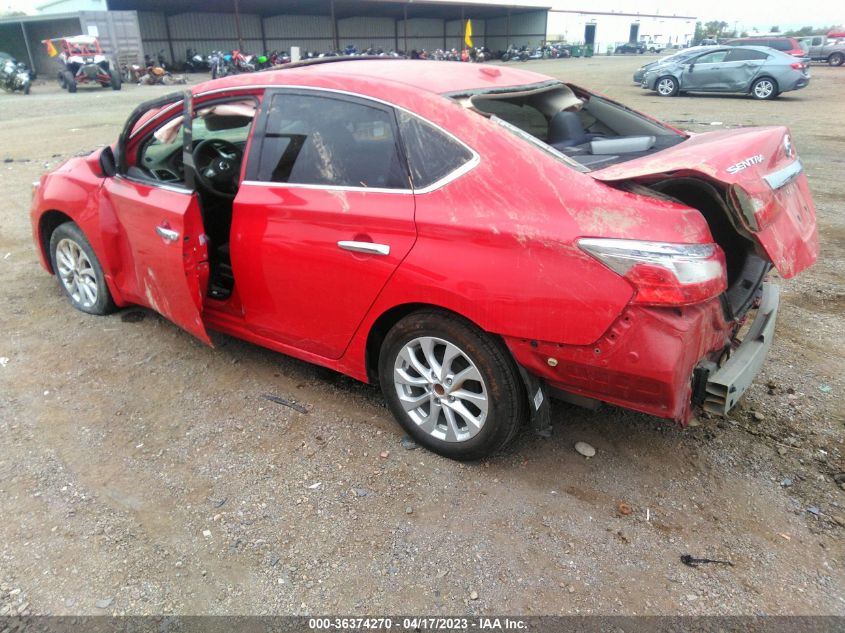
column 463, row 31
column 335, row 37
column 508, row 31
column 238, row 25
column 405, row 24
column 264, row 50
column 28, row 49
column 169, row 40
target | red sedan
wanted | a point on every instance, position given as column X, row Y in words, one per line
column 475, row 239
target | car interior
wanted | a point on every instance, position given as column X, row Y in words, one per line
column 588, row 130
column 219, row 136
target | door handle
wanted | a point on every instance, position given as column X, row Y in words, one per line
column 365, row 247
column 169, row 234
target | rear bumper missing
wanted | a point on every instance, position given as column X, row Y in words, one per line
column 726, row 385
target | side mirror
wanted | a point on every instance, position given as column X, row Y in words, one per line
column 690, row 67
column 108, row 165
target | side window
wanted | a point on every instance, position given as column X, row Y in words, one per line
column 743, row 54
column 432, row 155
column 712, row 58
column 780, row 45
column 322, row 140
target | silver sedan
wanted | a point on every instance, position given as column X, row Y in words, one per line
column 760, row 71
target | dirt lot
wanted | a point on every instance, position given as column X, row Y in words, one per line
column 142, row 472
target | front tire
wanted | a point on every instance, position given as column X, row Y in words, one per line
column 453, row 388
column 666, row 86
column 79, row 271
column 764, row 89
column 836, row 59
column 70, row 81
column 115, row 80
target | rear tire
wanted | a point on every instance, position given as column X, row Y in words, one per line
column 764, row 89
column 666, row 86
column 62, row 83
column 453, row 388
column 115, row 80
column 79, row 271
column 836, row 59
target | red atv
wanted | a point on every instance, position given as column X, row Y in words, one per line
column 83, row 61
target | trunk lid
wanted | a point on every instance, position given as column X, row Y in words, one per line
column 766, row 187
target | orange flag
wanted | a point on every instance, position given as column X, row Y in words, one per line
column 51, row 50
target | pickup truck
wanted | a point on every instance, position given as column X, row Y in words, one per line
column 823, row 48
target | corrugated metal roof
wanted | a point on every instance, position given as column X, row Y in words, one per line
column 343, row 8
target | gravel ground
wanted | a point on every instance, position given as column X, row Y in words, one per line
column 143, row 473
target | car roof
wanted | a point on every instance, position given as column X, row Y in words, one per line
column 788, row 38
column 433, row 76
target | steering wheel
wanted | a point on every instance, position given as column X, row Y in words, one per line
column 218, row 166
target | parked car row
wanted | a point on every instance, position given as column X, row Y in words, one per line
column 759, row 71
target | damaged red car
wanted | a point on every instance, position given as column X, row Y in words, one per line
column 474, row 239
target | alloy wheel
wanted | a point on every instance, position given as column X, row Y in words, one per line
column 441, row 389
column 76, row 273
column 666, row 87
column 763, row 89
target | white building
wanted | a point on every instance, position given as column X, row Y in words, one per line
column 607, row 30
column 605, row 26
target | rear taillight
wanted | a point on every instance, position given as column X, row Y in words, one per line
column 798, row 66
column 663, row 273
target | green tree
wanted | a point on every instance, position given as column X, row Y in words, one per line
column 775, row 29
column 714, row 28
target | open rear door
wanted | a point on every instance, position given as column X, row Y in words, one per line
column 163, row 227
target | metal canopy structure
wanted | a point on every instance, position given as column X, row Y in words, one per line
column 321, row 25
column 339, row 8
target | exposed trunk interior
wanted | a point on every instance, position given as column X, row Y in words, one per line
column 745, row 268
column 590, row 130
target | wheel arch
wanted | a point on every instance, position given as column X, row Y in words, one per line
column 48, row 222
column 390, row 317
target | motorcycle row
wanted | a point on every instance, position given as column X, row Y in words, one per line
column 15, row 76
column 223, row 63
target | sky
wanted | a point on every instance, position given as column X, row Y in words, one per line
column 746, row 14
